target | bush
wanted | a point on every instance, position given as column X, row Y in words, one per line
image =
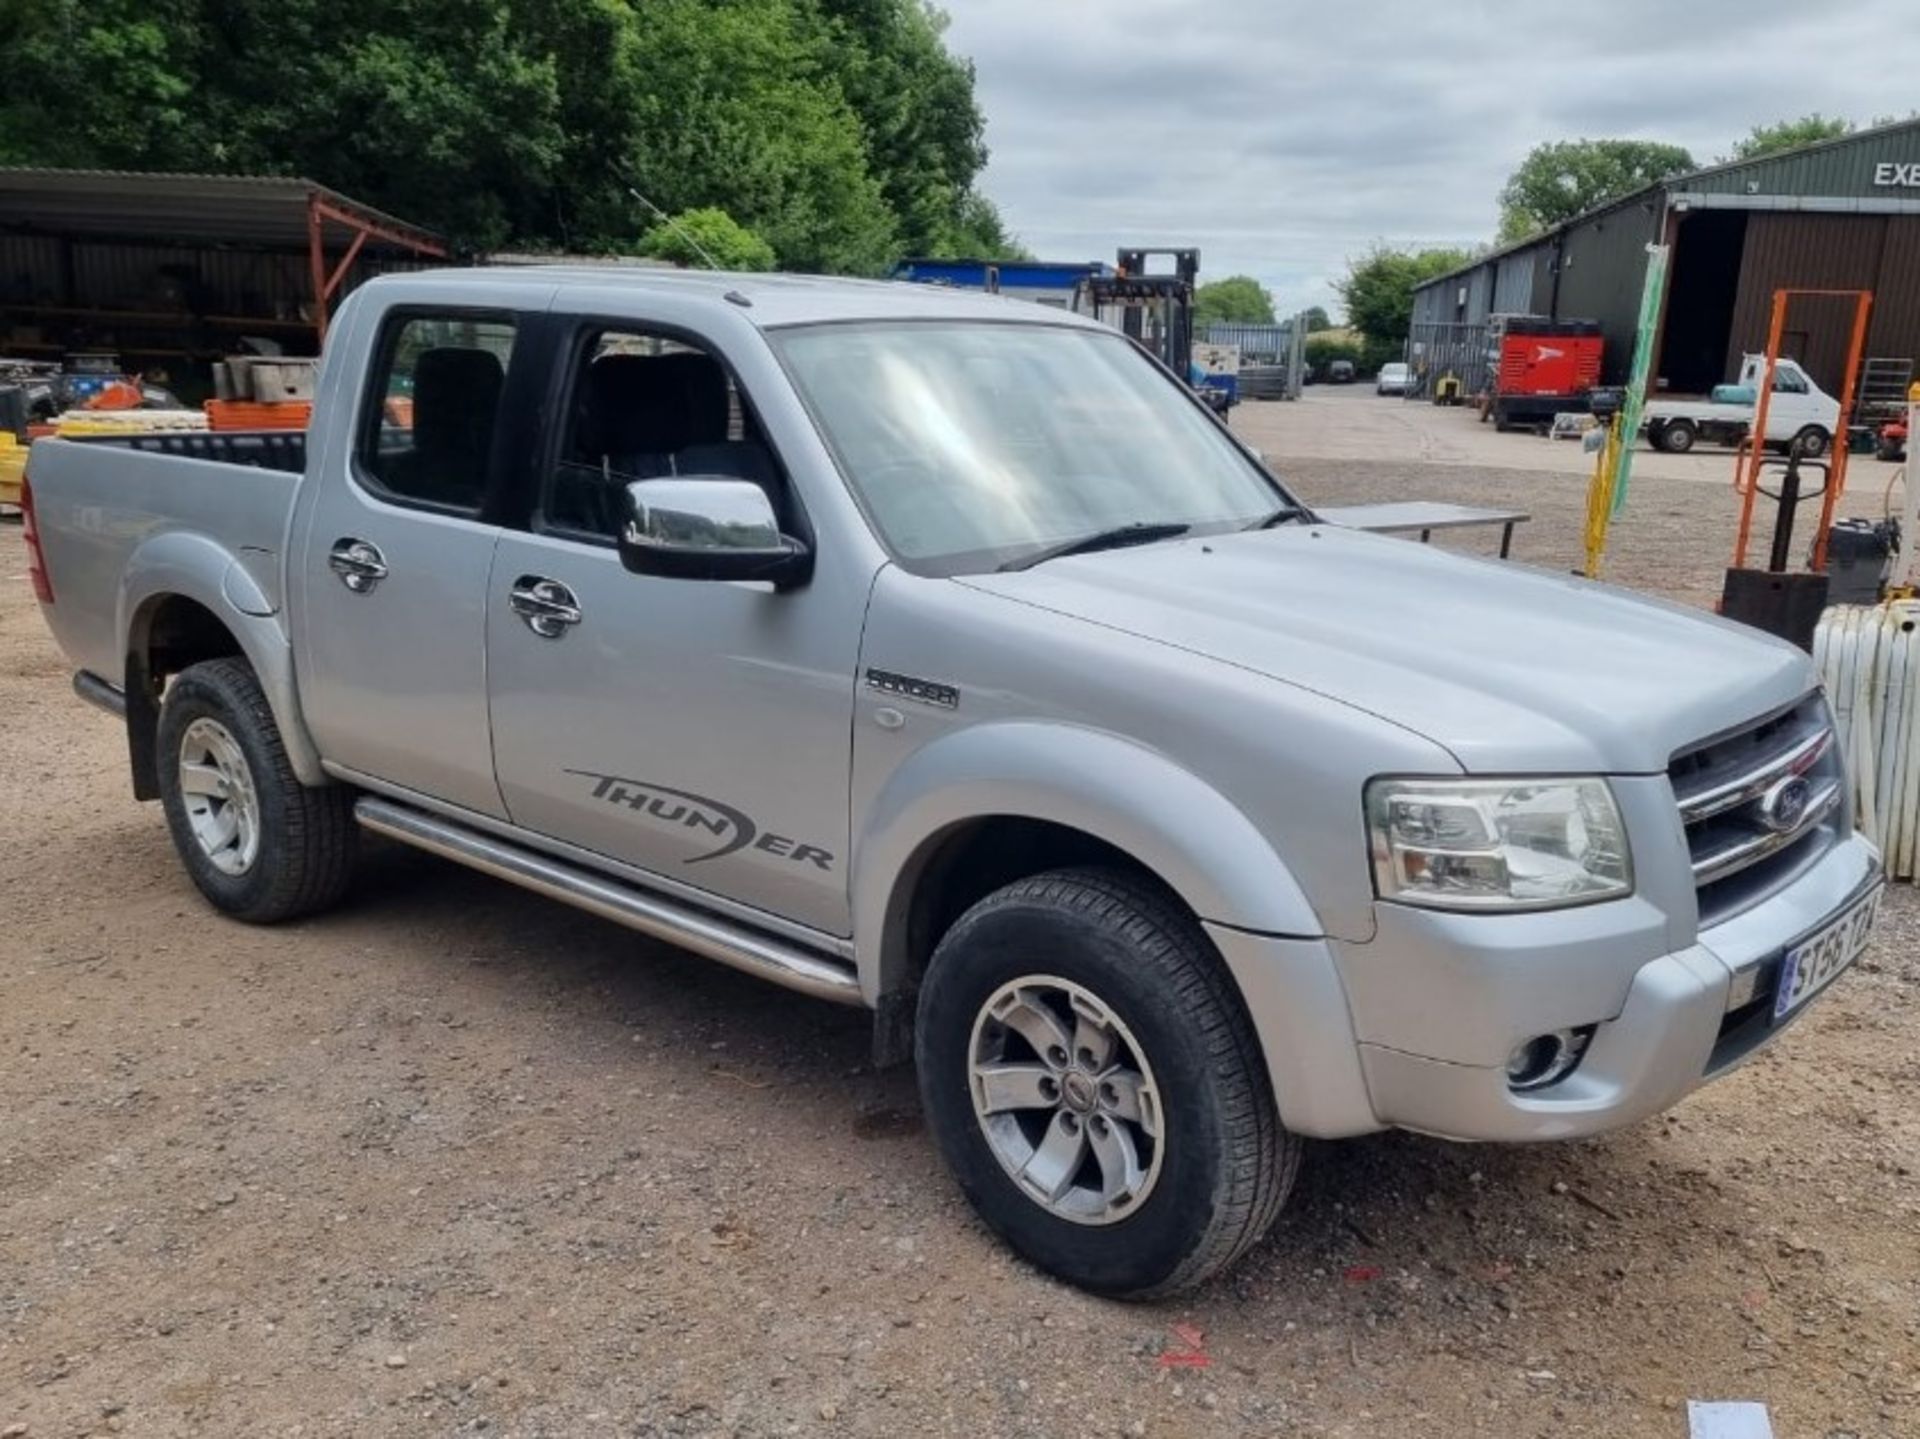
column 694, row 236
column 1323, row 352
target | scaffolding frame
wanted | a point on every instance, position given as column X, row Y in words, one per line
column 326, row 283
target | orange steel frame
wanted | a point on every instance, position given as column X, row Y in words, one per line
column 327, row 282
column 1748, row 483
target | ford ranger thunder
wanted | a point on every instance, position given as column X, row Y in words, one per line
column 940, row 654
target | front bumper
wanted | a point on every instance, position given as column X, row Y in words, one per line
column 1439, row 1001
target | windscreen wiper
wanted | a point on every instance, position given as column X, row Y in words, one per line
column 1110, row 539
column 1278, row 517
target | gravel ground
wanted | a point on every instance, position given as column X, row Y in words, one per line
column 1675, row 537
column 455, row 1160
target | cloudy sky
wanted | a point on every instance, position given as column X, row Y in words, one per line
column 1283, row 138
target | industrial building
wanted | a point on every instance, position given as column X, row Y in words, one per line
column 175, row 271
column 1843, row 214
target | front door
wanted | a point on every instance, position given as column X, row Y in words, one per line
column 696, row 730
column 395, row 561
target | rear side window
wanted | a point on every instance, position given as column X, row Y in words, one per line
column 434, row 409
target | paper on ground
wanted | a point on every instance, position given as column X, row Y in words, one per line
column 1738, row 1420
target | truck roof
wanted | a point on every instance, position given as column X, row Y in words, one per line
column 773, row 300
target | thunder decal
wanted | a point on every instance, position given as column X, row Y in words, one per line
column 732, row 829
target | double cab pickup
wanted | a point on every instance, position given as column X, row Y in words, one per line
column 943, row 655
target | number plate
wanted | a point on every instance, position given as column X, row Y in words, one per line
column 1812, row 965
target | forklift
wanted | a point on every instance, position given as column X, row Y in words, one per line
column 1155, row 311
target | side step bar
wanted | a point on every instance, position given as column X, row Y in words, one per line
column 96, row 691
column 783, row 963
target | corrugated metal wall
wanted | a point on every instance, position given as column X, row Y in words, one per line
column 1845, row 168
column 1440, row 303
column 1513, row 283
column 1519, row 282
column 1258, row 344
column 1603, row 267
column 1799, row 251
column 135, row 294
column 1896, row 300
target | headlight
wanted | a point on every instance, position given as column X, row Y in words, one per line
column 1497, row 844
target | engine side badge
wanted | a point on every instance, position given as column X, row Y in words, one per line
column 907, row 687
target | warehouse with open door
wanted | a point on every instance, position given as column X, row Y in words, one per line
column 1843, row 214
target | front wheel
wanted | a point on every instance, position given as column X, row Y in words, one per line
column 1096, row 1087
column 260, row 845
column 1811, row 442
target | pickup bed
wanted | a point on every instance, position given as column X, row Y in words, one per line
column 942, row 655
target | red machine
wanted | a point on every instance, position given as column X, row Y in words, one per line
column 1539, row 367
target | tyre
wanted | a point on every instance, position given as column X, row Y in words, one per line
column 1095, row 1085
column 1890, row 451
column 1677, row 437
column 260, row 845
column 1811, row 442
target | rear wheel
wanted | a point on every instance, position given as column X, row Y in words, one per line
column 1096, row 1087
column 260, row 845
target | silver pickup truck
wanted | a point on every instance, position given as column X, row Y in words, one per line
column 942, row 655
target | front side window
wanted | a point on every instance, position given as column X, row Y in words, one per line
column 434, row 409
column 645, row 407
column 973, row 445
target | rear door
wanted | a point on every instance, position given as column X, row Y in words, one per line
column 396, row 555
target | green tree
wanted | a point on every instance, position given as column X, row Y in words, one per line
column 1321, row 351
column 1378, row 291
column 705, row 238
column 1569, row 177
column 836, row 130
column 925, row 135
column 1790, row 135
column 977, row 233
column 1317, row 319
column 729, row 110
column 1235, row 300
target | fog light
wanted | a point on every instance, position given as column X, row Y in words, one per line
column 1547, row 1058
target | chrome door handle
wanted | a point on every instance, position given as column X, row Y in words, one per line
column 548, row 607
column 359, row 564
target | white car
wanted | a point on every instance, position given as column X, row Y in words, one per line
column 1394, row 379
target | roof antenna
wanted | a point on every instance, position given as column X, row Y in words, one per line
column 678, row 228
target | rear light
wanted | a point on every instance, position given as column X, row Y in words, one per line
column 36, row 559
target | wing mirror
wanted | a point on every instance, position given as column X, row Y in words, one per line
column 708, row 528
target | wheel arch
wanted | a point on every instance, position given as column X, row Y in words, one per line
column 999, row 801
column 184, row 598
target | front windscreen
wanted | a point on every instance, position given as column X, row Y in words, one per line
column 971, row 445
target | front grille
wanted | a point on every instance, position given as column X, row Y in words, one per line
column 1759, row 805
